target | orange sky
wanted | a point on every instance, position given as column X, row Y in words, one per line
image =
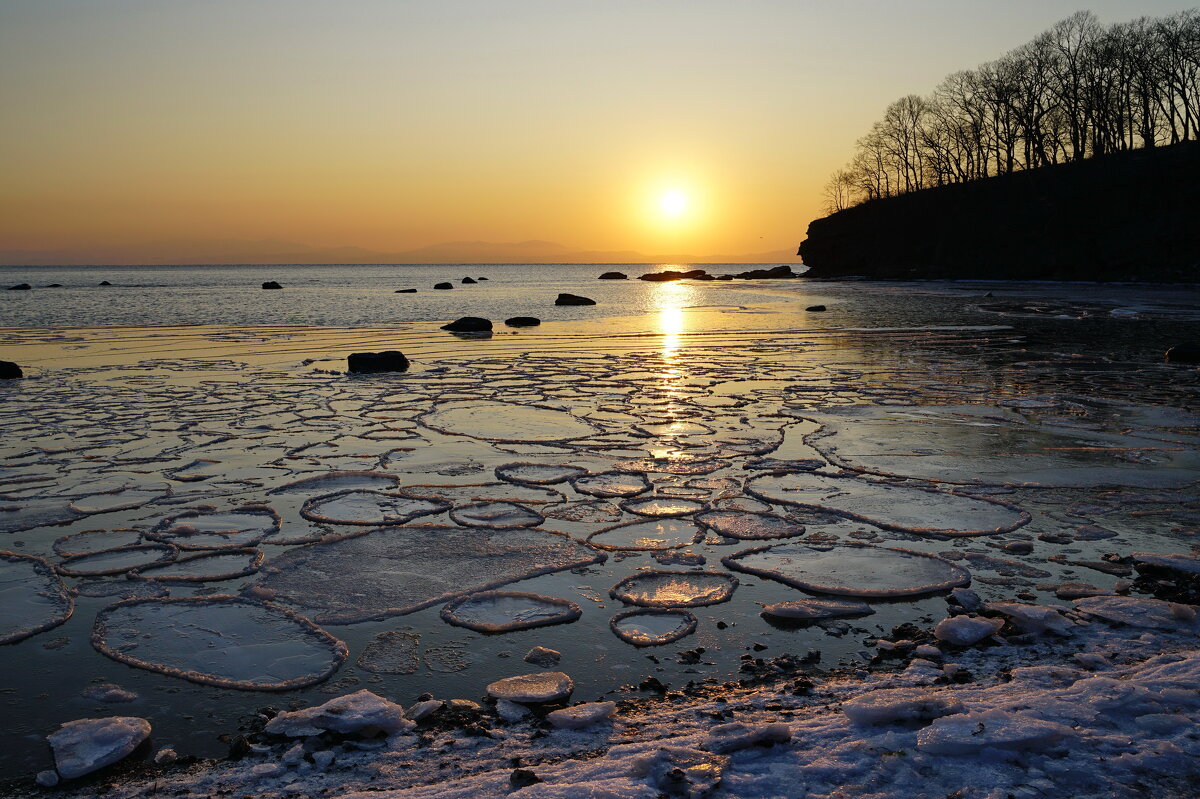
column 131, row 127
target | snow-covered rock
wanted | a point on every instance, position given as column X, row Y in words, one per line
column 543, row 656
column 804, row 609
column 422, row 709
column 1138, row 611
column 735, row 736
column 85, row 745
column 361, row 711
column 675, row 770
column 573, row 718
column 971, row 733
column 165, row 757
column 549, row 686
column 888, row 705
column 1034, row 618
column 510, row 711
column 966, row 630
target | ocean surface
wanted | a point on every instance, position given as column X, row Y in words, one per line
column 714, row 445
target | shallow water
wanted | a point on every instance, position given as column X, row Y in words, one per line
column 154, row 433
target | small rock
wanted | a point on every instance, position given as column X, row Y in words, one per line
column 106, row 283
column 613, row 276
column 469, row 281
column 928, row 651
column 816, row 308
column 377, row 362
column 361, row 711
column 107, row 692
column 165, row 756
column 523, row 778
column 21, row 287
column 406, row 291
column 541, row 656
column 573, row 299
column 1018, row 547
column 47, row 778
column 510, row 711
column 423, row 709
column 85, row 745
column 481, row 278
column 1187, row 352
column 463, row 706
column 323, row 758
column 469, row 324
column 967, row 599
column 549, row 686
column 523, row 321
column 579, row 716
column 966, row 630
column 270, row 284
column 266, row 771
column 10, row 371
column 443, row 286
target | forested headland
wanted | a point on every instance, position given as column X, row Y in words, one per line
column 1073, row 156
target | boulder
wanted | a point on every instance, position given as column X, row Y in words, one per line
column 359, row 712
column 613, row 276
column 573, row 299
column 966, row 630
column 724, row 277
column 815, row 308
column 661, row 277
column 10, row 371
column 481, row 278
column 774, row 273
column 543, row 656
column 523, row 321
column 443, row 286
column 1187, row 352
column 406, row 291
column 365, row 363
column 106, row 283
column 469, row 281
column 20, row 287
column 547, row 686
column 85, row 745
column 469, row 324
column 270, row 284
column 54, row 285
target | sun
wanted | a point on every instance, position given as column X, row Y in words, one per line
column 673, row 203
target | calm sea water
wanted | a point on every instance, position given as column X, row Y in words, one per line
column 339, row 296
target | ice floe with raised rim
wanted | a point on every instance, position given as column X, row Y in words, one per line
column 33, row 598
column 749, row 526
column 505, row 421
column 496, row 514
column 508, row 611
column 538, row 473
column 675, row 589
column 647, row 536
column 652, row 626
column 370, row 508
column 117, row 560
column 210, row 529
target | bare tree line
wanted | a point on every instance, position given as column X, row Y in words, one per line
column 1076, row 91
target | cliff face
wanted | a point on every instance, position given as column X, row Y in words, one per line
column 1132, row 216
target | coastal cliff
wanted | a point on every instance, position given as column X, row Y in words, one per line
column 1131, row 216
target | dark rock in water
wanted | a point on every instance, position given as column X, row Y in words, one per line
column 10, row 371
column 406, row 291
column 443, row 285
column 365, row 363
column 613, row 276
column 705, row 276
column 54, row 285
column 270, row 284
column 1187, row 352
column 815, row 308
column 523, row 321
column 469, row 324
column 481, row 278
column 469, row 280
column 20, row 287
column 106, row 283
column 724, row 277
column 659, row 277
column 774, row 273
column 573, row 299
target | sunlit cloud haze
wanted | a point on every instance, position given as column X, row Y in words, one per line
column 236, row 130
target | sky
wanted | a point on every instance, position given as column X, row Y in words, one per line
column 152, row 130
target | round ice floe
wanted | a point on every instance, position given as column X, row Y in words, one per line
column 204, row 567
column 892, row 507
column 584, row 511
column 392, row 652
column 675, row 589
column 496, row 514
column 503, row 421
column 611, row 484
column 681, row 463
column 674, row 429
column 539, row 688
column 394, row 571
column 538, row 473
column 750, row 526
column 338, row 481
column 369, row 508
column 122, row 499
column 120, row 588
column 117, row 560
column 227, row 641
column 652, row 626
column 851, row 569
column 230, row 529
column 506, row 611
column 662, row 506
column 95, row 540
column 646, row 536
column 32, row 597
column 815, row 609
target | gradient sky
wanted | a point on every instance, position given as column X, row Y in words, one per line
column 393, row 125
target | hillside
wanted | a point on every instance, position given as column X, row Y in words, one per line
column 1131, row 216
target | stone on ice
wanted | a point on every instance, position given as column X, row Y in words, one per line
column 736, row 736
column 967, row 599
column 966, row 630
column 578, row 716
column 970, row 733
column 542, row 656
column 806, row 609
column 546, row 686
column 85, row 745
column 359, row 712
column 888, row 705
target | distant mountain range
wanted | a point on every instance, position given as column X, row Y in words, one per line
column 267, row 251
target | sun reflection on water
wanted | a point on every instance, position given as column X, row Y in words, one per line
column 671, row 299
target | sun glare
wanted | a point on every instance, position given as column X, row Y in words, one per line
column 673, row 203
